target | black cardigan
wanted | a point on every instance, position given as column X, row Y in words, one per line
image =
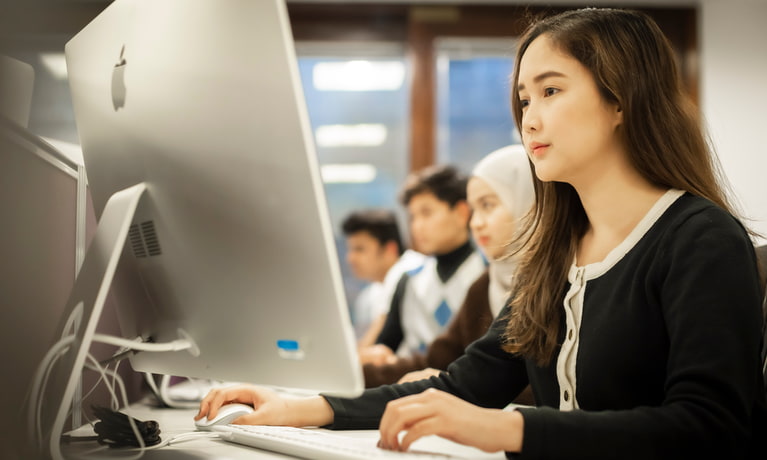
column 668, row 355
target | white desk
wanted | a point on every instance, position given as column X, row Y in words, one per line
column 178, row 421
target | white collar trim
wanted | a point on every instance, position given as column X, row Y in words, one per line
column 597, row 269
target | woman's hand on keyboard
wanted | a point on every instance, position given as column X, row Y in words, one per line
column 435, row 412
column 270, row 408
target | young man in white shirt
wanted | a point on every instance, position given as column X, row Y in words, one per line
column 375, row 253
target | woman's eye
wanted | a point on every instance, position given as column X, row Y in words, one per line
column 523, row 103
column 550, row 91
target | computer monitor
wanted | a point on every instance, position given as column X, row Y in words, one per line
column 198, row 151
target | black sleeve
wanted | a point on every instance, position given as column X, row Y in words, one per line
column 391, row 334
column 485, row 375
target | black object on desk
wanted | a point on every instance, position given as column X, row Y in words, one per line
column 115, row 429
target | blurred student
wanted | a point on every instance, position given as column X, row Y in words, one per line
column 636, row 307
column 499, row 193
column 375, row 253
column 426, row 297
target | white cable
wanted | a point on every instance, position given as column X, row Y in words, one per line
column 179, row 438
column 75, row 317
column 38, row 383
column 34, row 397
column 114, row 379
column 41, row 396
column 183, row 437
column 164, row 386
column 159, row 391
column 95, row 366
column 95, row 385
column 165, row 397
column 162, row 393
column 124, row 394
column 43, row 371
column 152, row 385
column 175, row 345
column 92, row 389
column 37, row 391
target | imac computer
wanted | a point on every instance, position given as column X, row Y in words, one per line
column 213, row 227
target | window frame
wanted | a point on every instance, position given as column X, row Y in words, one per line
column 418, row 26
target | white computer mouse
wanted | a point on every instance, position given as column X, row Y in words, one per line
column 226, row 415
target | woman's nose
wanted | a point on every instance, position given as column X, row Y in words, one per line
column 530, row 119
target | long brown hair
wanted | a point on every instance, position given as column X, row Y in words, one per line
column 633, row 66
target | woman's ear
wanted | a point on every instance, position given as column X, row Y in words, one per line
column 618, row 115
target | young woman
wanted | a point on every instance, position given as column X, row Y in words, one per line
column 635, row 312
column 499, row 192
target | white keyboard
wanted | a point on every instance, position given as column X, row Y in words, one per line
column 315, row 444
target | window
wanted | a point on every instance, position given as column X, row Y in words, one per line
column 357, row 98
column 472, row 78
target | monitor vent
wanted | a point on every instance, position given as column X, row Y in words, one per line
column 150, row 238
column 143, row 240
column 134, row 235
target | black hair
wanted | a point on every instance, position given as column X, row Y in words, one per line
column 381, row 224
column 445, row 182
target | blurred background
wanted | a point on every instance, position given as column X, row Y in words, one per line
column 394, row 86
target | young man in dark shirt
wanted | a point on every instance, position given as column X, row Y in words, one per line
column 427, row 296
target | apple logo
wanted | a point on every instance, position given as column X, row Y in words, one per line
column 118, row 82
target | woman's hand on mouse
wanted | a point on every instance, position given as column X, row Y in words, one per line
column 270, row 408
column 435, row 412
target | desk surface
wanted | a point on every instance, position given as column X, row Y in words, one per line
column 174, row 422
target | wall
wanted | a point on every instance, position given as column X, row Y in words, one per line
column 38, row 252
column 37, row 244
column 734, row 97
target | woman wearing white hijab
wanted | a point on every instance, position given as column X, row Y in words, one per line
column 500, row 192
column 502, row 180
